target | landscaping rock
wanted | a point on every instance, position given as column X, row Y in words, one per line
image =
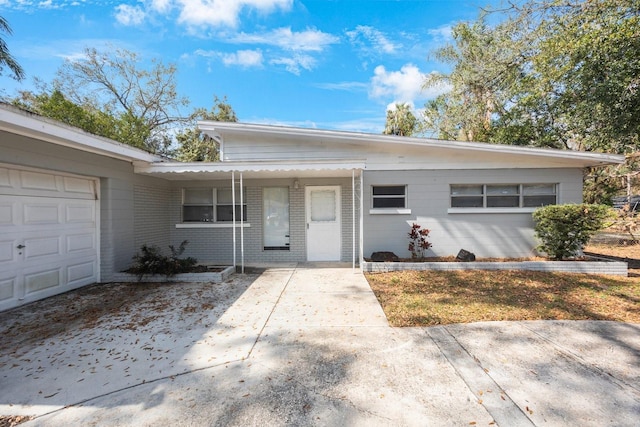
column 465, row 256
column 384, row 257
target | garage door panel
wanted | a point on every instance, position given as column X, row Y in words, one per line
column 81, row 273
column 8, row 213
column 41, row 247
column 42, row 279
column 8, row 288
column 80, row 212
column 41, row 213
column 38, row 181
column 7, row 250
column 79, row 186
column 81, row 242
column 5, row 178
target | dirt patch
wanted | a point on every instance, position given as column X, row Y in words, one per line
column 13, row 420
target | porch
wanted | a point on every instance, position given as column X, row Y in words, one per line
column 242, row 213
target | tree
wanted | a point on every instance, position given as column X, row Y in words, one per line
column 6, row 59
column 125, row 128
column 554, row 74
column 400, row 121
column 486, row 70
column 590, row 58
column 112, row 82
column 195, row 146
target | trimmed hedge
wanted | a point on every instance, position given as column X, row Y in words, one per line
column 565, row 229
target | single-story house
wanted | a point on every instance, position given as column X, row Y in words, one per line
column 75, row 208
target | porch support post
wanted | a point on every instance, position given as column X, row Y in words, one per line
column 233, row 214
column 361, row 219
column 241, row 225
column 353, row 217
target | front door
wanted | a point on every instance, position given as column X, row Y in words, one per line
column 323, row 223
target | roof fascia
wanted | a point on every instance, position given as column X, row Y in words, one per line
column 222, row 128
column 19, row 122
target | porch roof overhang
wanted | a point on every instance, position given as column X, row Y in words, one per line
column 178, row 171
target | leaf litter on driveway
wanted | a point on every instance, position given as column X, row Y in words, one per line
column 117, row 335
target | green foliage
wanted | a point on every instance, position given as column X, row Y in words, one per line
column 6, row 59
column 195, row 146
column 486, row 68
column 123, row 128
column 552, row 74
column 418, row 243
column 401, row 121
column 151, row 261
column 565, row 229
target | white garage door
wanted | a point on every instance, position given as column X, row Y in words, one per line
column 48, row 234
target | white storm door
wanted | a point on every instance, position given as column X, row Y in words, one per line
column 323, row 223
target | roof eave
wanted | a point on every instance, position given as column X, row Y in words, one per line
column 587, row 158
column 20, row 122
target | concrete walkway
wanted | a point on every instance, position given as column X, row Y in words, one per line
column 302, row 345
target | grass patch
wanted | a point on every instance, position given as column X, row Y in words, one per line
column 426, row 298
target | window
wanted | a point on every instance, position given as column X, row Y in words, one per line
column 535, row 195
column 389, row 196
column 467, row 196
column 503, row 195
column 211, row 205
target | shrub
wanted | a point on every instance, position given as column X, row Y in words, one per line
column 418, row 241
column 565, row 229
column 150, row 260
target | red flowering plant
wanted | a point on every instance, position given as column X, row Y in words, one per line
column 418, row 241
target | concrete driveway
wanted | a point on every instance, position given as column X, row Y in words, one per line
column 301, row 345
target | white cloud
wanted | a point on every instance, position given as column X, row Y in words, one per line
column 344, row 86
column 223, row 13
column 243, row 58
column 402, row 86
column 299, row 44
column 47, row 4
column 296, row 63
column 310, row 40
column 378, row 41
column 206, row 53
column 162, row 6
column 441, row 34
column 129, row 15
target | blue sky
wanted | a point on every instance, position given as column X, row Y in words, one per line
column 331, row 64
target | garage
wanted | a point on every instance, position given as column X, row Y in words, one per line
column 48, row 234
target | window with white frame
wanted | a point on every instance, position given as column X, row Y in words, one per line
column 503, row 195
column 389, row 196
column 211, row 205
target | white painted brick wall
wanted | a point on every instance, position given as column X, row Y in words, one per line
column 215, row 244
